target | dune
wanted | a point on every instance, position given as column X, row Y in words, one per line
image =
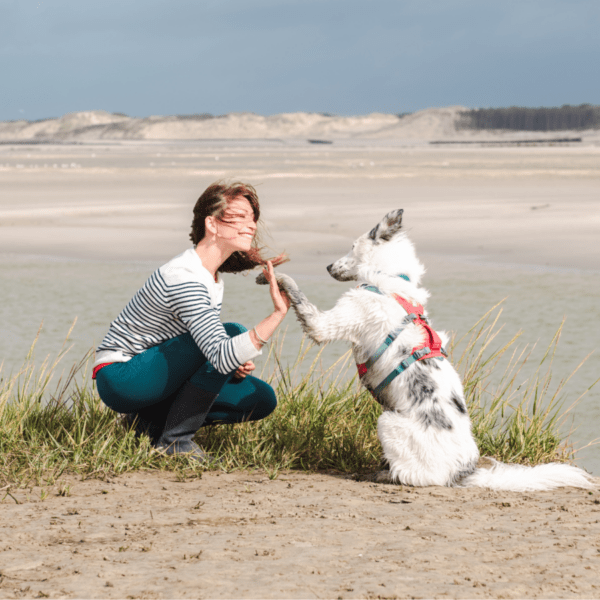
column 101, row 125
column 98, row 125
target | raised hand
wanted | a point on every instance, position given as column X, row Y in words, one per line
column 281, row 302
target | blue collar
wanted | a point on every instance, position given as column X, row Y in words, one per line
column 405, row 277
column 375, row 289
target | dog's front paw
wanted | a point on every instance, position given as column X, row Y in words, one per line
column 261, row 279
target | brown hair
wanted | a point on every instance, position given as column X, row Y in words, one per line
column 213, row 203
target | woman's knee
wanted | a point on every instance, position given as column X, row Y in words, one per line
column 266, row 399
column 248, row 400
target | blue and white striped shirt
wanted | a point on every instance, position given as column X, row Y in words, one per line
column 179, row 297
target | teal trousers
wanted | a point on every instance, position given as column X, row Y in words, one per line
column 155, row 376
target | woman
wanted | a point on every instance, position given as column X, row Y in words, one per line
column 167, row 361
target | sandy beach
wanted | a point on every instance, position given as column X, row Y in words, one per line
column 85, row 219
column 241, row 535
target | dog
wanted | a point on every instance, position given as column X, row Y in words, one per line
column 424, row 429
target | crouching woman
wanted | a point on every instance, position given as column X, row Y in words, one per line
column 167, row 361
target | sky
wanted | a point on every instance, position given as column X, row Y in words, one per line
column 345, row 57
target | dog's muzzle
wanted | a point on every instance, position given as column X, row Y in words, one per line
column 340, row 273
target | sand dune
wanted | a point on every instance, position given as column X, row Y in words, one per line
column 101, row 125
column 91, row 126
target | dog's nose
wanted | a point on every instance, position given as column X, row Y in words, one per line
column 329, row 267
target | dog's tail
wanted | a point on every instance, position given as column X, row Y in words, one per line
column 518, row 478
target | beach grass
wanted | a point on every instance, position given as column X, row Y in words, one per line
column 324, row 421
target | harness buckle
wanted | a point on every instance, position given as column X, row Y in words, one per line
column 421, row 353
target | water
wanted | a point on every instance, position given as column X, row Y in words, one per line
column 56, row 291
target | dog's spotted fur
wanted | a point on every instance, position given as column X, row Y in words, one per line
column 425, row 429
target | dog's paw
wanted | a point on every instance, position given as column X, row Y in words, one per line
column 261, row 279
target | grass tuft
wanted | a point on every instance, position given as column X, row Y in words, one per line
column 323, row 420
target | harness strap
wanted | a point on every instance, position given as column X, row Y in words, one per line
column 414, row 357
column 370, row 288
column 388, row 340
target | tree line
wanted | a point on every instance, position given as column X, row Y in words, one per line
column 520, row 118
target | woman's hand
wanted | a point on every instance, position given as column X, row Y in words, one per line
column 281, row 302
column 244, row 370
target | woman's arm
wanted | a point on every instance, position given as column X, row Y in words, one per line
column 281, row 304
column 191, row 304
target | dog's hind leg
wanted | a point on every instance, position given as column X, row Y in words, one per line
column 393, row 449
column 407, row 449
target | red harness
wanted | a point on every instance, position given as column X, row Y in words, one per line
column 433, row 340
column 431, row 347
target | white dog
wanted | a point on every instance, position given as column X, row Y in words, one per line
column 425, row 429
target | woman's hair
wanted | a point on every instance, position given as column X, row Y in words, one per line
column 213, row 203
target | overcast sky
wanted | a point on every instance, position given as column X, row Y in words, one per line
column 144, row 57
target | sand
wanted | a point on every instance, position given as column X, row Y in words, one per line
column 241, row 535
column 132, row 201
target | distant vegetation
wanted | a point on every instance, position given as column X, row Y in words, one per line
column 197, row 117
column 519, row 118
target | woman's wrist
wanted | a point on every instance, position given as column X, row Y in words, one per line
column 279, row 315
column 259, row 337
column 261, row 333
column 254, row 339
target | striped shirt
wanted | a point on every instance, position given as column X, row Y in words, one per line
column 179, row 297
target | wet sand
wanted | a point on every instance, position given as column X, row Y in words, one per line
column 133, row 201
column 241, row 535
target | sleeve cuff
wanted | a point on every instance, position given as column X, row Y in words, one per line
column 244, row 349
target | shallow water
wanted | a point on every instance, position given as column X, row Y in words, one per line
column 462, row 290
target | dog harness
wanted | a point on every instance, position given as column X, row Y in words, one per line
column 430, row 348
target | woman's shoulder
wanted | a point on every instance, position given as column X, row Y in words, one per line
column 186, row 268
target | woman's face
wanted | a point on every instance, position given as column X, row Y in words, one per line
column 236, row 228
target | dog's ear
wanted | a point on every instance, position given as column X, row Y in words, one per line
column 389, row 226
